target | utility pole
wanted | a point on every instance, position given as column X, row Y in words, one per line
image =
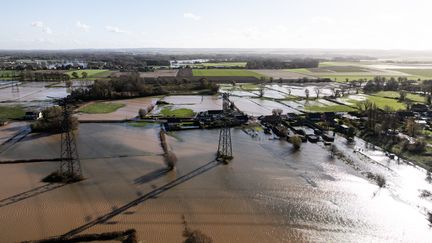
column 70, row 166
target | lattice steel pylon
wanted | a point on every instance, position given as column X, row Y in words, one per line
column 224, row 152
column 15, row 88
column 70, row 165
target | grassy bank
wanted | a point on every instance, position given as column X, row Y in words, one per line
column 101, row 108
column 179, row 113
column 11, row 112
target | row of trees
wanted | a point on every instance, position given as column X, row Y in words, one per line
column 277, row 64
column 123, row 87
column 395, row 84
column 42, row 76
column 75, row 75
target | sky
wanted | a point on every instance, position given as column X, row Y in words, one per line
column 327, row 24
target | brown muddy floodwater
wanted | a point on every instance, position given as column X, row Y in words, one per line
column 268, row 193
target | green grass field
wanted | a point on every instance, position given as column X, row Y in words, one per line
column 11, row 112
column 423, row 73
column 221, row 64
column 225, row 73
column 8, row 74
column 339, row 64
column 394, row 94
column 382, row 102
column 179, row 113
column 299, row 70
column 139, row 124
column 329, row 108
column 249, row 87
column 91, row 73
column 339, row 69
column 101, row 108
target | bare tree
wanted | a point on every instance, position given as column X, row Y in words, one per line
column 277, row 112
column 402, row 95
column 317, row 92
column 261, row 91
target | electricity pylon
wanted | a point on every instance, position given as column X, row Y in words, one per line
column 70, row 165
column 224, row 152
column 15, row 88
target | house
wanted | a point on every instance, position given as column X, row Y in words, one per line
column 421, row 123
column 402, row 115
column 314, row 116
column 419, row 108
column 33, row 115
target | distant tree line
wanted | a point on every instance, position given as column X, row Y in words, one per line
column 278, row 64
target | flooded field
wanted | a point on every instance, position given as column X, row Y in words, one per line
column 195, row 103
column 280, row 91
column 32, row 94
column 268, row 194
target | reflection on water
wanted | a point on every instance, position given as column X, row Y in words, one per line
column 323, row 198
column 268, row 193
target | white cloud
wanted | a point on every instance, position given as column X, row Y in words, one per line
column 82, row 26
column 43, row 40
column 191, row 16
column 47, row 30
column 41, row 25
column 115, row 29
column 322, row 20
column 37, row 24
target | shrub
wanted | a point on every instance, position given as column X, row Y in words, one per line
column 52, row 121
column 197, row 237
column 379, row 179
column 142, row 113
column 170, row 160
column 296, row 141
column 418, row 147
